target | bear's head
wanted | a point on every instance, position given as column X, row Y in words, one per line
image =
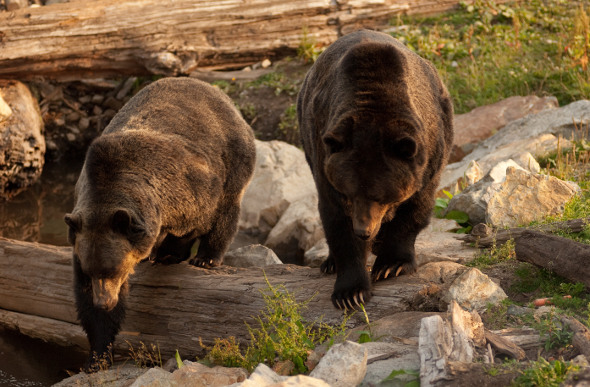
column 376, row 164
column 107, row 246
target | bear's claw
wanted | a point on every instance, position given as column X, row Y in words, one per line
column 347, row 303
column 385, row 271
column 328, row 266
column 203, row 262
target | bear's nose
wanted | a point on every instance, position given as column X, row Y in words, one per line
column 363, row 234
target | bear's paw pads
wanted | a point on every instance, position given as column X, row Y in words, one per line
column 395, row 269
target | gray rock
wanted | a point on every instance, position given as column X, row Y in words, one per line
column 252, row 255
column 317, row 254
column 154, row 377
column 197, row 374
column 525, row 197
column 299, row 227
column 483, row 121
column 437, row 243
column 474, row 290
column 281, row 177
column 344, row 365
column 435, row 346
column 22, row 145
column 262, row 376
column 301, row 380
column 535, row 133
column 116, row 376
column 383, row 358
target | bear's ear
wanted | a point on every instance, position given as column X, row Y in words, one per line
column 74, row 223
column 404, row 148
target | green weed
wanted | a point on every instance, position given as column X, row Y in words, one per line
column 288, row 126
column 543, row 373
column 308, row 50
column 411, row 378
column 281, row 334
column 494, row 255
column 277, row 81
column 440, row 211
column 145, row 356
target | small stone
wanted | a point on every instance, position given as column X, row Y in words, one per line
column 112, row 103
column 73, row 129
column 50, row 145
column 83, row 123
column 480, row 230
column 265, row 63
column 317, row 254
column 73, row 117
column 284, row 367
column 59, row 121
column 197, row 374
column 97, row 98
column 71, row 137
column 474, row 290
column 96, row 110
column 251, row 256
column 154, row 377
column 516, row 310
column 5, row 110
column 84, row 99
column 473, row 173
column 126, row 87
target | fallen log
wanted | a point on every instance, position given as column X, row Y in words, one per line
column 581, row 339
column 175, row 305
column 112, row 37
column 563, row 256
column 488, row 237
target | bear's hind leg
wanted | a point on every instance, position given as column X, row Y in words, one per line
column 214, row 244
column 100, row 326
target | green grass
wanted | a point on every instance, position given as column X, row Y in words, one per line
column 485, row 52
column 281, row 334
column 543, row 373
column 493, row 255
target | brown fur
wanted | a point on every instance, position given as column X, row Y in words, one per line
column 376, row 127
column 171, row 167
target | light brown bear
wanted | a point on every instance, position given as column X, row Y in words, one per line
column 376, row 125
column 171, row 167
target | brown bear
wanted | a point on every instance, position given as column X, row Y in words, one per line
column 171, row 167
column 376, row 125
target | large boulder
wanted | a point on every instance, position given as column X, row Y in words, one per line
column 483, row 121
column 281, row 177
column 510, row 196
column 536, row 133
column 22, row 145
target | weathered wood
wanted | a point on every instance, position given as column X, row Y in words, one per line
column 112, row 37
column 501, row 236
column 565, row 257
column 172, row 305
column 581, row 339
column 504, row 346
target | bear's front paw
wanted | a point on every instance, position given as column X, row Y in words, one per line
column 384, row 270
column 348, row 296
column 328, row 266
column 203, row 262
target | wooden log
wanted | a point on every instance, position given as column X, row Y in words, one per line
column 565, row 257
column 174, row 305
column 504, row 346
column 581, row 339
column 112, row 37
column 488, row 237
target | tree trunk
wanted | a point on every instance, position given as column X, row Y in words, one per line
column 175, row 305
column 113, row 37
column 565, row 257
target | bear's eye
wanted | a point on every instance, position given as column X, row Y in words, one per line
column 333, row 145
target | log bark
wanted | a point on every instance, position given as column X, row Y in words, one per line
column 489, row 237
column 174, row 305
column 565, row 257
column 504, row 346
column 581, row 339
column 112, row 37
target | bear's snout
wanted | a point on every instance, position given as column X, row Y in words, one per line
column 366, row 218
column 105, row 293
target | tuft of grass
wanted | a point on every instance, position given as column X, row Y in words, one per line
column 308, row 50
column 288, row 129
column 494, row 255
column 486, row 52
column 145, row 355
column 543, row 373
column 277, row 81
column 281, row 335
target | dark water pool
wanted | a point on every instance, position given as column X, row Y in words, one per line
column 36, row 215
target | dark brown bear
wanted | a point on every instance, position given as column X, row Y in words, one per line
column 376, row 126
column 171, row 167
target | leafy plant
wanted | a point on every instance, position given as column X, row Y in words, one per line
column 366, row 336
column 308, row 49
column 145, row 356
column 494, row 255
column 179, row 362
column 411, row 377
column 543, row 373
column 440, row 211
column 281, row 334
